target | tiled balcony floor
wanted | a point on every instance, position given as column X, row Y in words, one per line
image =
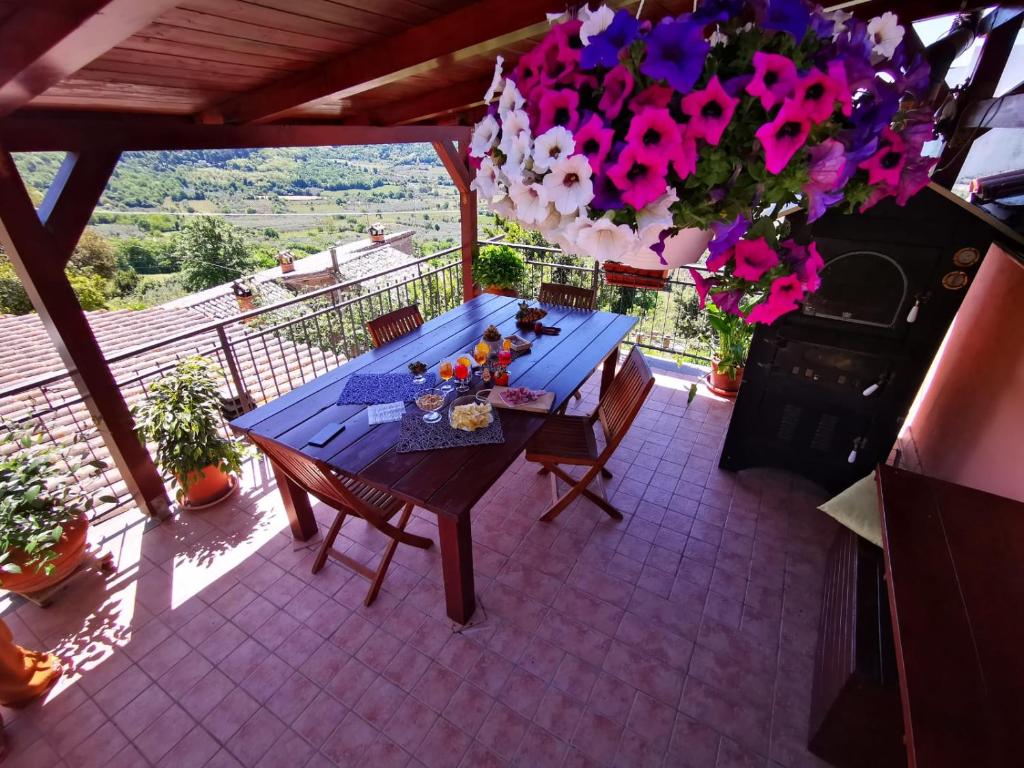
column 680, row 636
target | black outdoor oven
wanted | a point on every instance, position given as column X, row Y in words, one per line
column 826, row 388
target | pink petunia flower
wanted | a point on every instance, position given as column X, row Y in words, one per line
column 837, row 71
column 774, row 78
column 785, row 292
column 640, row 181
column 817, row 94
column 805, row 261
column 754, row 258
column 654, row 134
column 886, row 165
column 729, row 301
column 684, row 161
column 702, row 285
column 594, row 139
column 652, row 96
column 783, row 136
column 558, row 108
column 618, row 84
column 710, row 111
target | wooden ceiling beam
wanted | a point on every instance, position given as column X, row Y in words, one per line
column 44, row 42
column 64, row 131
column 72, row 197
column 432, row 106
column 485, row 27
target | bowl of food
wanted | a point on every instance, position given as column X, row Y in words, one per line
column 469, row 414
column 430, row 401
column 418, row 371
column 527, row 316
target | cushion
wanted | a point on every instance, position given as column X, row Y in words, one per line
column 857, row 509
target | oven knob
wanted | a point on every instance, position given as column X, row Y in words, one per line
column 912, row 314
column 871, row 390
column 852, row 458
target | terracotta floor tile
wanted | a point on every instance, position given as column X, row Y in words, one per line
column 410, row 723
column 436, row 687
column 503, row 730
column 319, row 719
column 444, row 745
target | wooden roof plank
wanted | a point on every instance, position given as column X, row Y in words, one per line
column 44, row 43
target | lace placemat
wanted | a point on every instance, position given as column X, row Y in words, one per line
column 374, row 388
column 417, row 435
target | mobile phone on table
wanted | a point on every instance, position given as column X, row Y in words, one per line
column 325, row 435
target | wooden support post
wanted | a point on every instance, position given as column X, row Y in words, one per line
column 456, row 162
column 39, row 256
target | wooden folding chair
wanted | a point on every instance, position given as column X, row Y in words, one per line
column 394, row 324
column 567, row 296
column 571, row 439
column 348, row 497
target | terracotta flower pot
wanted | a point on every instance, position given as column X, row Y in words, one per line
column 722, row 384
column 70, row 551
column 499, row 291
column 207, row 486
column 634, row 277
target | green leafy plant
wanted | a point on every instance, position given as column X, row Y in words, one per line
column 732, row 337
column 40, row 493
column 499, row 265
column 182, row 418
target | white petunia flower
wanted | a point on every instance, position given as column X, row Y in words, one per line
column 838, row 19
column 552, row 145
column 495, row 86
column 566, row 235
column 655, row 217
column 717, row 38
column 503, row 206
column 484, row 135
column 596, row 23
column 513, row 124
column 517, row 152
column 510, row 101
column 486, row 180
column 885, row 34
column 569, row 185
column 603, row 240
column 531, row 202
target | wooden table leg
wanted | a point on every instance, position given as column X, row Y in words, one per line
column 296, row 505
column 457, row 567
column 608, row 372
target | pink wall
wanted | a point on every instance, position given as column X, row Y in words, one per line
column 968, row 421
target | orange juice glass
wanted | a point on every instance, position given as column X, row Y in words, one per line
column 446, row 371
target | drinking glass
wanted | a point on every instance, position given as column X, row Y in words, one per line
column 430, row 401
column 462, row 373
column 446, row 372
column 481, row 353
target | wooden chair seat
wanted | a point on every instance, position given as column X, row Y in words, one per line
column 394, row 325
column 570, row 296
column 349, row 497
column 564, row 440
column 571, row 439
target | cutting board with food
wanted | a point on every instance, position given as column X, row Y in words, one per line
column 521, row 399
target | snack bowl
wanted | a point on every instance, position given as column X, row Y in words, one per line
column 469, row 414
column 430, row 401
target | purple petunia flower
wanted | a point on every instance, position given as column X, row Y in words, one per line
column 727, row 234
column 774, row 78
column 753, row 258
column 640, row 180
column 594, row 139
column 675, row 53
column 792, row 16
column 729, row 301
column 710, row 111
column 654, row 135
column 805, row 261
column 603, row 48
column 717, row 10
column 558, row 108
column 606, row 195
column 618, row 84
column 783, row 136
column 825, row 176
column 702, row 285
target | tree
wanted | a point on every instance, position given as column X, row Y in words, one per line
column 13, row 299
column 211, row 252
column 94, row 254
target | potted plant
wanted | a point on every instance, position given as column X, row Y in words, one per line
column 732, row 343
column 647, row 143
column 43, row 510
column 500, row 269
column 181, row 418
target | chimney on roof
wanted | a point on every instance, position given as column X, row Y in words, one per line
column 377, row 232
column 243, row 295
column 287, row 261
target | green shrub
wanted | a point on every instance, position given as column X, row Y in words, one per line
column 499, row 265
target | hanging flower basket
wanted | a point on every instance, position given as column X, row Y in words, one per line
column 637, row 142
column 616, row 273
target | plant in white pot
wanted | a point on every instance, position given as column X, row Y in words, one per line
column 44, row 508
column 181, row 418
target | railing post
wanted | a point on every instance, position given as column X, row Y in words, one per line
column 595, row 277
column 236, row 375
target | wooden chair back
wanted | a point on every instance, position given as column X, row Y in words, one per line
column 624, row 398
column 567, row 296
column 394, row 324
column 312, row 476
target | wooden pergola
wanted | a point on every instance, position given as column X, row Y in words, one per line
column 96, row 78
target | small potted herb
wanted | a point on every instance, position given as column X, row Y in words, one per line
column 43, row 510
column 500, row 269
column 732, row 337
column 181, row 417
